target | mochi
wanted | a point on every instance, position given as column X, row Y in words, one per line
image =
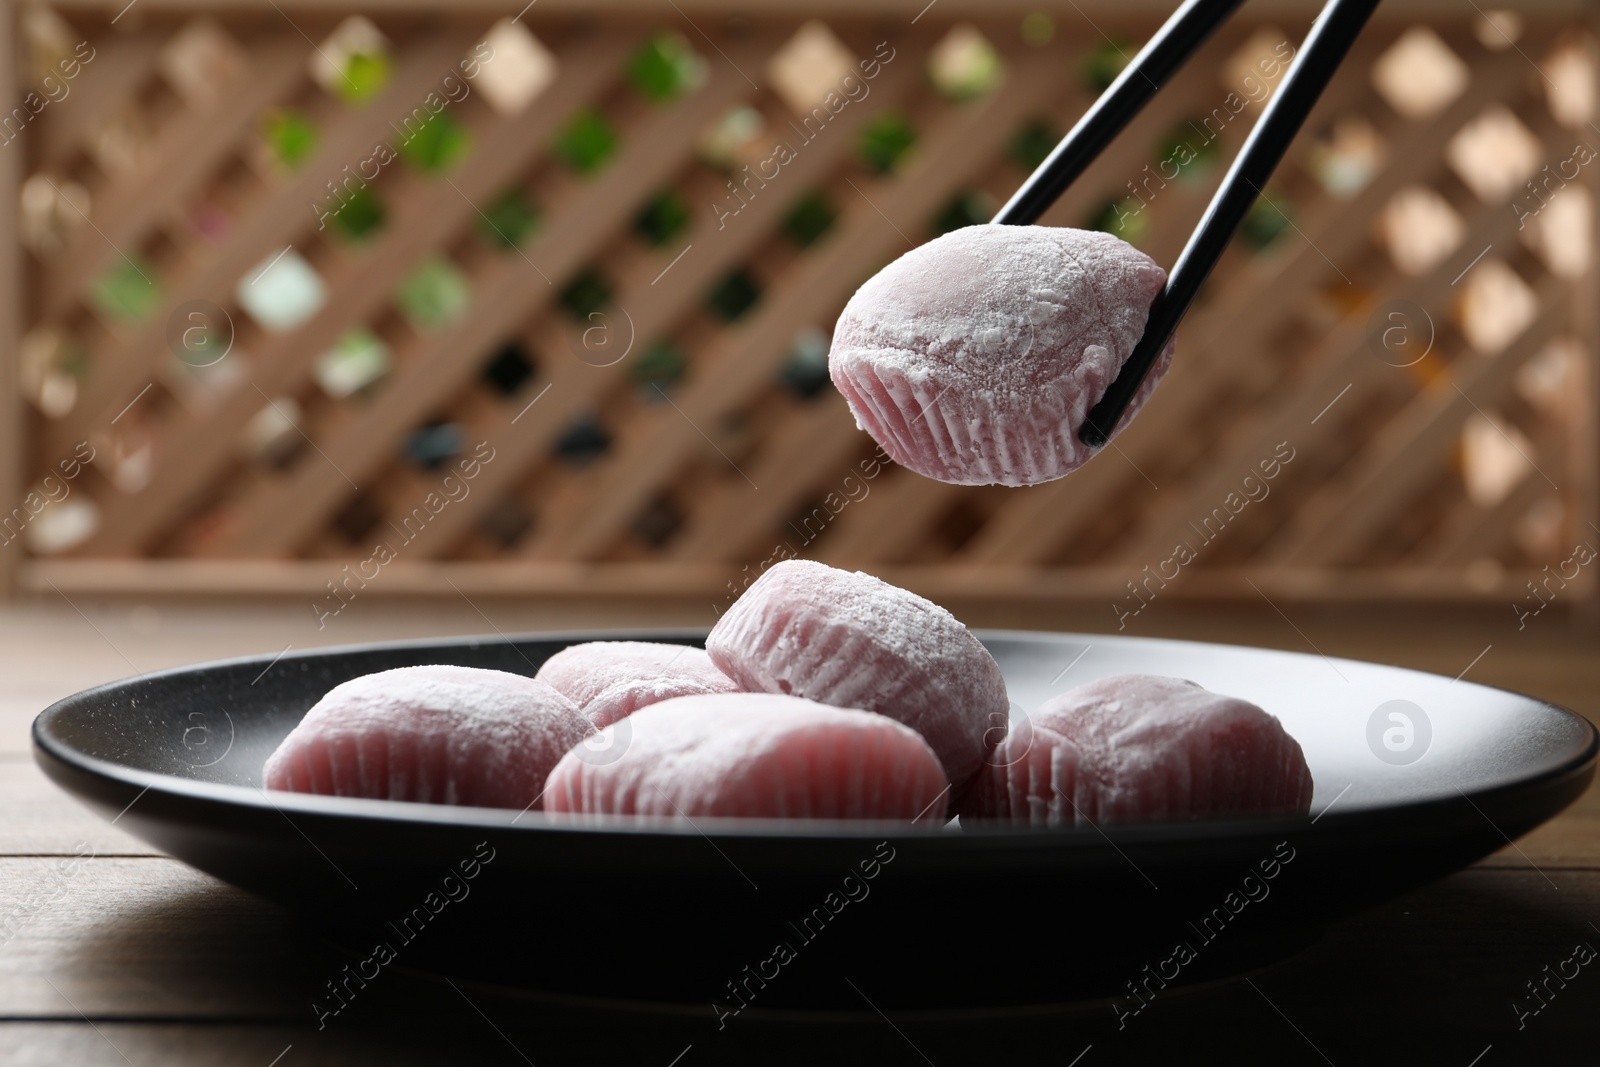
column 1141, row 748
column 609, row 680
column 752, row 755
column 975, row 358
column 851, row 640
column 432, row 734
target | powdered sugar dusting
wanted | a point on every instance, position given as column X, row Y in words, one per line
column 609, row 680
column 1138, row 747
column 754, row 755
column 851, row 640
column 435, row 734
column 1011, row 333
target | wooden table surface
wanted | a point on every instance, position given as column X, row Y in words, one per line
column 133, row 958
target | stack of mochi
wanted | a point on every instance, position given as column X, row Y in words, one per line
column 821, row 694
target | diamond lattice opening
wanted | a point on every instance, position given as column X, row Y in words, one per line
column 811, row 65
column 1494, row 153
column 1419, row 75
column 518, row 68
column 1419, row 228
column 1496, row 305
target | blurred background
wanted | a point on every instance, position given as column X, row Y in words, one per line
column 339, row 305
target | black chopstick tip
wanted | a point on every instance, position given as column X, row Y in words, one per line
column 1091, row 435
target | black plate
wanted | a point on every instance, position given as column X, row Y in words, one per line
column 771, row 915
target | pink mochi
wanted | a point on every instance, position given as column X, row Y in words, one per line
column 752, row 755
column 974, row 358
column 610, row 680
column 1141, row 748
column 434, row 735
column 848, row 639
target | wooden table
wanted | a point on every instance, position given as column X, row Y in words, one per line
column 134, row 958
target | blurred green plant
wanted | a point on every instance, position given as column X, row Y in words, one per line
column 1123, row 218
column 884, row 141
column 588, row 141
column 360, row 214
column 290, row 135
column 734, row 295
column 509, row 221
column 1192, row 149
column 1266, row 221
column 665, row 67
column 357, row 359
column 364, row 76
column 435, row 294
column 1102, row 64
column 438, row 144
column 970, row 208
column 1038, row 28
column 1033, row 144
column 586, row 294
column 662, row 218
column 662, row 364
column 811, row 216
column 128, row 291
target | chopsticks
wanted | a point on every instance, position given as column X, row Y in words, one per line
column 1162, row 55
column 1325, row 47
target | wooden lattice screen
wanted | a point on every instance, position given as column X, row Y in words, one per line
column 290, row 276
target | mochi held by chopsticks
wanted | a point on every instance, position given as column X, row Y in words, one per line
column 975, row 358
